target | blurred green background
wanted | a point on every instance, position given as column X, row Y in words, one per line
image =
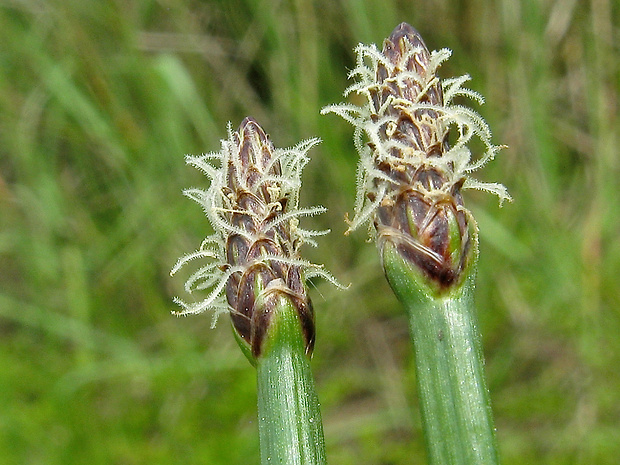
column 99, row 102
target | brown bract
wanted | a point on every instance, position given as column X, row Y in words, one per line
column 425, row 221
column 263, row 244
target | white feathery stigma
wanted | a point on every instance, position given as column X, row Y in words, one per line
column 375, row 148
column 221, row 204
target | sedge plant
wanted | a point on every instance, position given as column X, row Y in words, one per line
column 255, row 274
column 410, row 178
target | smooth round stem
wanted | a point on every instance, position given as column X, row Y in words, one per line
column 454, row 400
column 289, row 418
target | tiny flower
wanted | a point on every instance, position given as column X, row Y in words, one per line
column 409, row 177
column 253, row 255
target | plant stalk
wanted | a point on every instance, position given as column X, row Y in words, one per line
column 289, row 417
column 454, row 400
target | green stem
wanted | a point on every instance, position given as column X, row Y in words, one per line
column 289, row 418
column 454, row 400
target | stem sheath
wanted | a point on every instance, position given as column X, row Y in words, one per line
column 289, row 417
column 454, row 400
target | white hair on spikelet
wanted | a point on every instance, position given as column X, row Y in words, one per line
column 219, row 206
column 457, row 162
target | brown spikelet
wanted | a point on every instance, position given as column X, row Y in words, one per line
column 255, row 203
column 253, row 255
column 410, row 178
column 412, row 215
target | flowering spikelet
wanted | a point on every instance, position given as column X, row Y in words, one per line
column 409, row 178
column 252, row 204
